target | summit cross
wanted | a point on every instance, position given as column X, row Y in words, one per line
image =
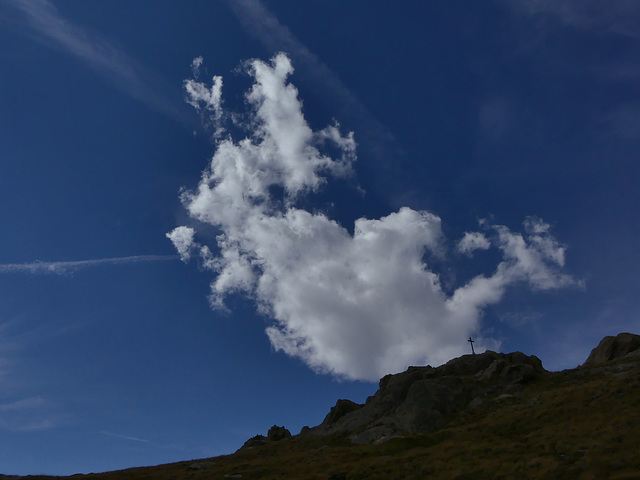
column 471, row 342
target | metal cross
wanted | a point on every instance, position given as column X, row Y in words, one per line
column 471, row 342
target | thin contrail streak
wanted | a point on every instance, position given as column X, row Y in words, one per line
column 60, row 268
column 265, row 26
column 125, row 437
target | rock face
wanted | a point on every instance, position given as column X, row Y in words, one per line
column 611, row 348
column 340, row 410
column 275, row 434
column 423, row 399
column 419, row 400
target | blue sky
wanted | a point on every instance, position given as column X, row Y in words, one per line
column 494, row 165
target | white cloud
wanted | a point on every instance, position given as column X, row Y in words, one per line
column 61, row 268
column 207, row 100
column 182, row 239
column 534, row 258
column 355, row 305
column 202, row 98
column 472, row 241
column 195, row 66
column 261, row 23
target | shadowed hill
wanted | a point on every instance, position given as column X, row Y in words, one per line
column 498, row 416
column 422, row 399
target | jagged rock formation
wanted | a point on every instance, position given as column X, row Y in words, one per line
column 424, row 399
column 611, row 348
column 419, row 400
column 275, row 434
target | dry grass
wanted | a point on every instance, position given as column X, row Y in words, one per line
column 580, row 424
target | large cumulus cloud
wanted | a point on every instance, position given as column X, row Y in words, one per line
column 357, row 305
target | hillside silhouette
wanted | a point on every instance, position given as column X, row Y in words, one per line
column 491, row 415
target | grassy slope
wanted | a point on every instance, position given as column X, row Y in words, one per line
column 577, row 424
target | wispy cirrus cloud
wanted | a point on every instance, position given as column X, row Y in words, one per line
column 41, row 20
column 61, row 268
column 29, row 414
column 261, row 23
column 22, row 404
column 616, row 16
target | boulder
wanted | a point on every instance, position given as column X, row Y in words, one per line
column 276, row 433
column 513, row 368
column 611, row 348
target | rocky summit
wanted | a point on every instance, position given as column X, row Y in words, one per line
column 611, row 348
column 274, row 434
column 419, row 400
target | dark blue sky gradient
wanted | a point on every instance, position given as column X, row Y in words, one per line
column 486, row 111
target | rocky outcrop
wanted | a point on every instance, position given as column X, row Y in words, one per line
column 611, row 348
column 341, row 408
column 421, row 399
column 275, row 434
column 253, row 442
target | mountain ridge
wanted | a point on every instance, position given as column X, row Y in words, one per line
column 489, row 415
